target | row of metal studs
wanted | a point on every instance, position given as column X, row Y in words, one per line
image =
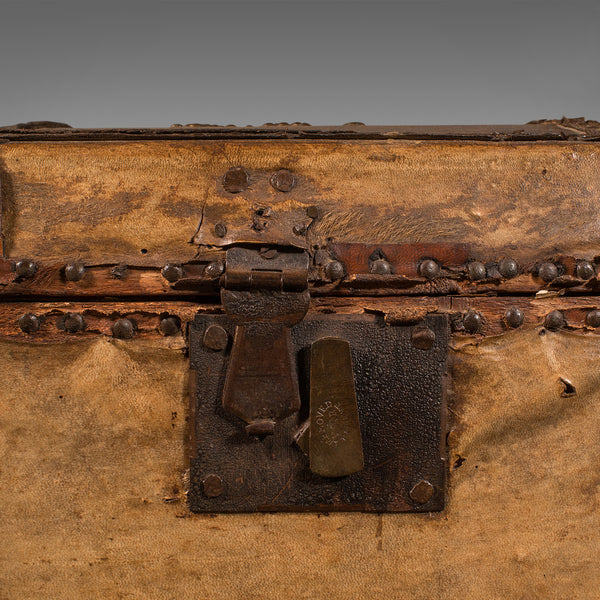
column 428, row 268
column 472, row 321
column 74, row 323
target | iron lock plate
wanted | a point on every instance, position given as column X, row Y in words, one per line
column 399, row 385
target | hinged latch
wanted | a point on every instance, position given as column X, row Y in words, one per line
column 265, row 292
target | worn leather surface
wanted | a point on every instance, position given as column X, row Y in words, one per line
column 92, row 478
column 142, row 202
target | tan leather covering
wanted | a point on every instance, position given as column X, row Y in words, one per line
column 92, row 444
column 142, row 202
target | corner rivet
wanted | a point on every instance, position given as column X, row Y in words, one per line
column 422, row 337
column 212, row 486
column 422, row 492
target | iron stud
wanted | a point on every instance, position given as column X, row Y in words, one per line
column 585, row 270
column 73, row 323
column 212, row 486
column 74, row 271
column 334, row 270
column 235, row 180
column 169, row 326
column 29, row 323
column 473, row 321
column 283, row 180
column 380, row 267
column 548, row 272
column 172, row 273
column 429, row 269
column 476, row 271
column 508, row 268
column 554, row 320
column 25, row 268
column 214, row 269
column 514, row 317
column 124, row 329
column 592, row 319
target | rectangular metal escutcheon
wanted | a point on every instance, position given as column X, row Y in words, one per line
column 398, row 383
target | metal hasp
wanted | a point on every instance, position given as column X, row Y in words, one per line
column 265, row 292
column 397, row 434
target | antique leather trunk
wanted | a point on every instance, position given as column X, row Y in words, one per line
column 300, row 362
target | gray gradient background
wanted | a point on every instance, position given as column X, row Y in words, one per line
column 139, row 63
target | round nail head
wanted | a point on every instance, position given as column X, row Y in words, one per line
column 215, row 338
column 423, row 338
column 220, row 230
column 592, row 319
column 212, row 486
column 508, row 268
column 422, row 492
column 29, row 323
column 585, row 270
column 25, row 268
column 472, row 321
column 74, row 323
column 74, row 271
column 123, row 329
column 514, row 317
column 548, row 272
column 283, row 180
column 299, row 229
column 429, row 269
column 312, row 212
column 476, row 270
column 172, row 273
column 554, row 320
column 169, row 326
column 381, row 267
column 334, row 270
column 214, row 269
